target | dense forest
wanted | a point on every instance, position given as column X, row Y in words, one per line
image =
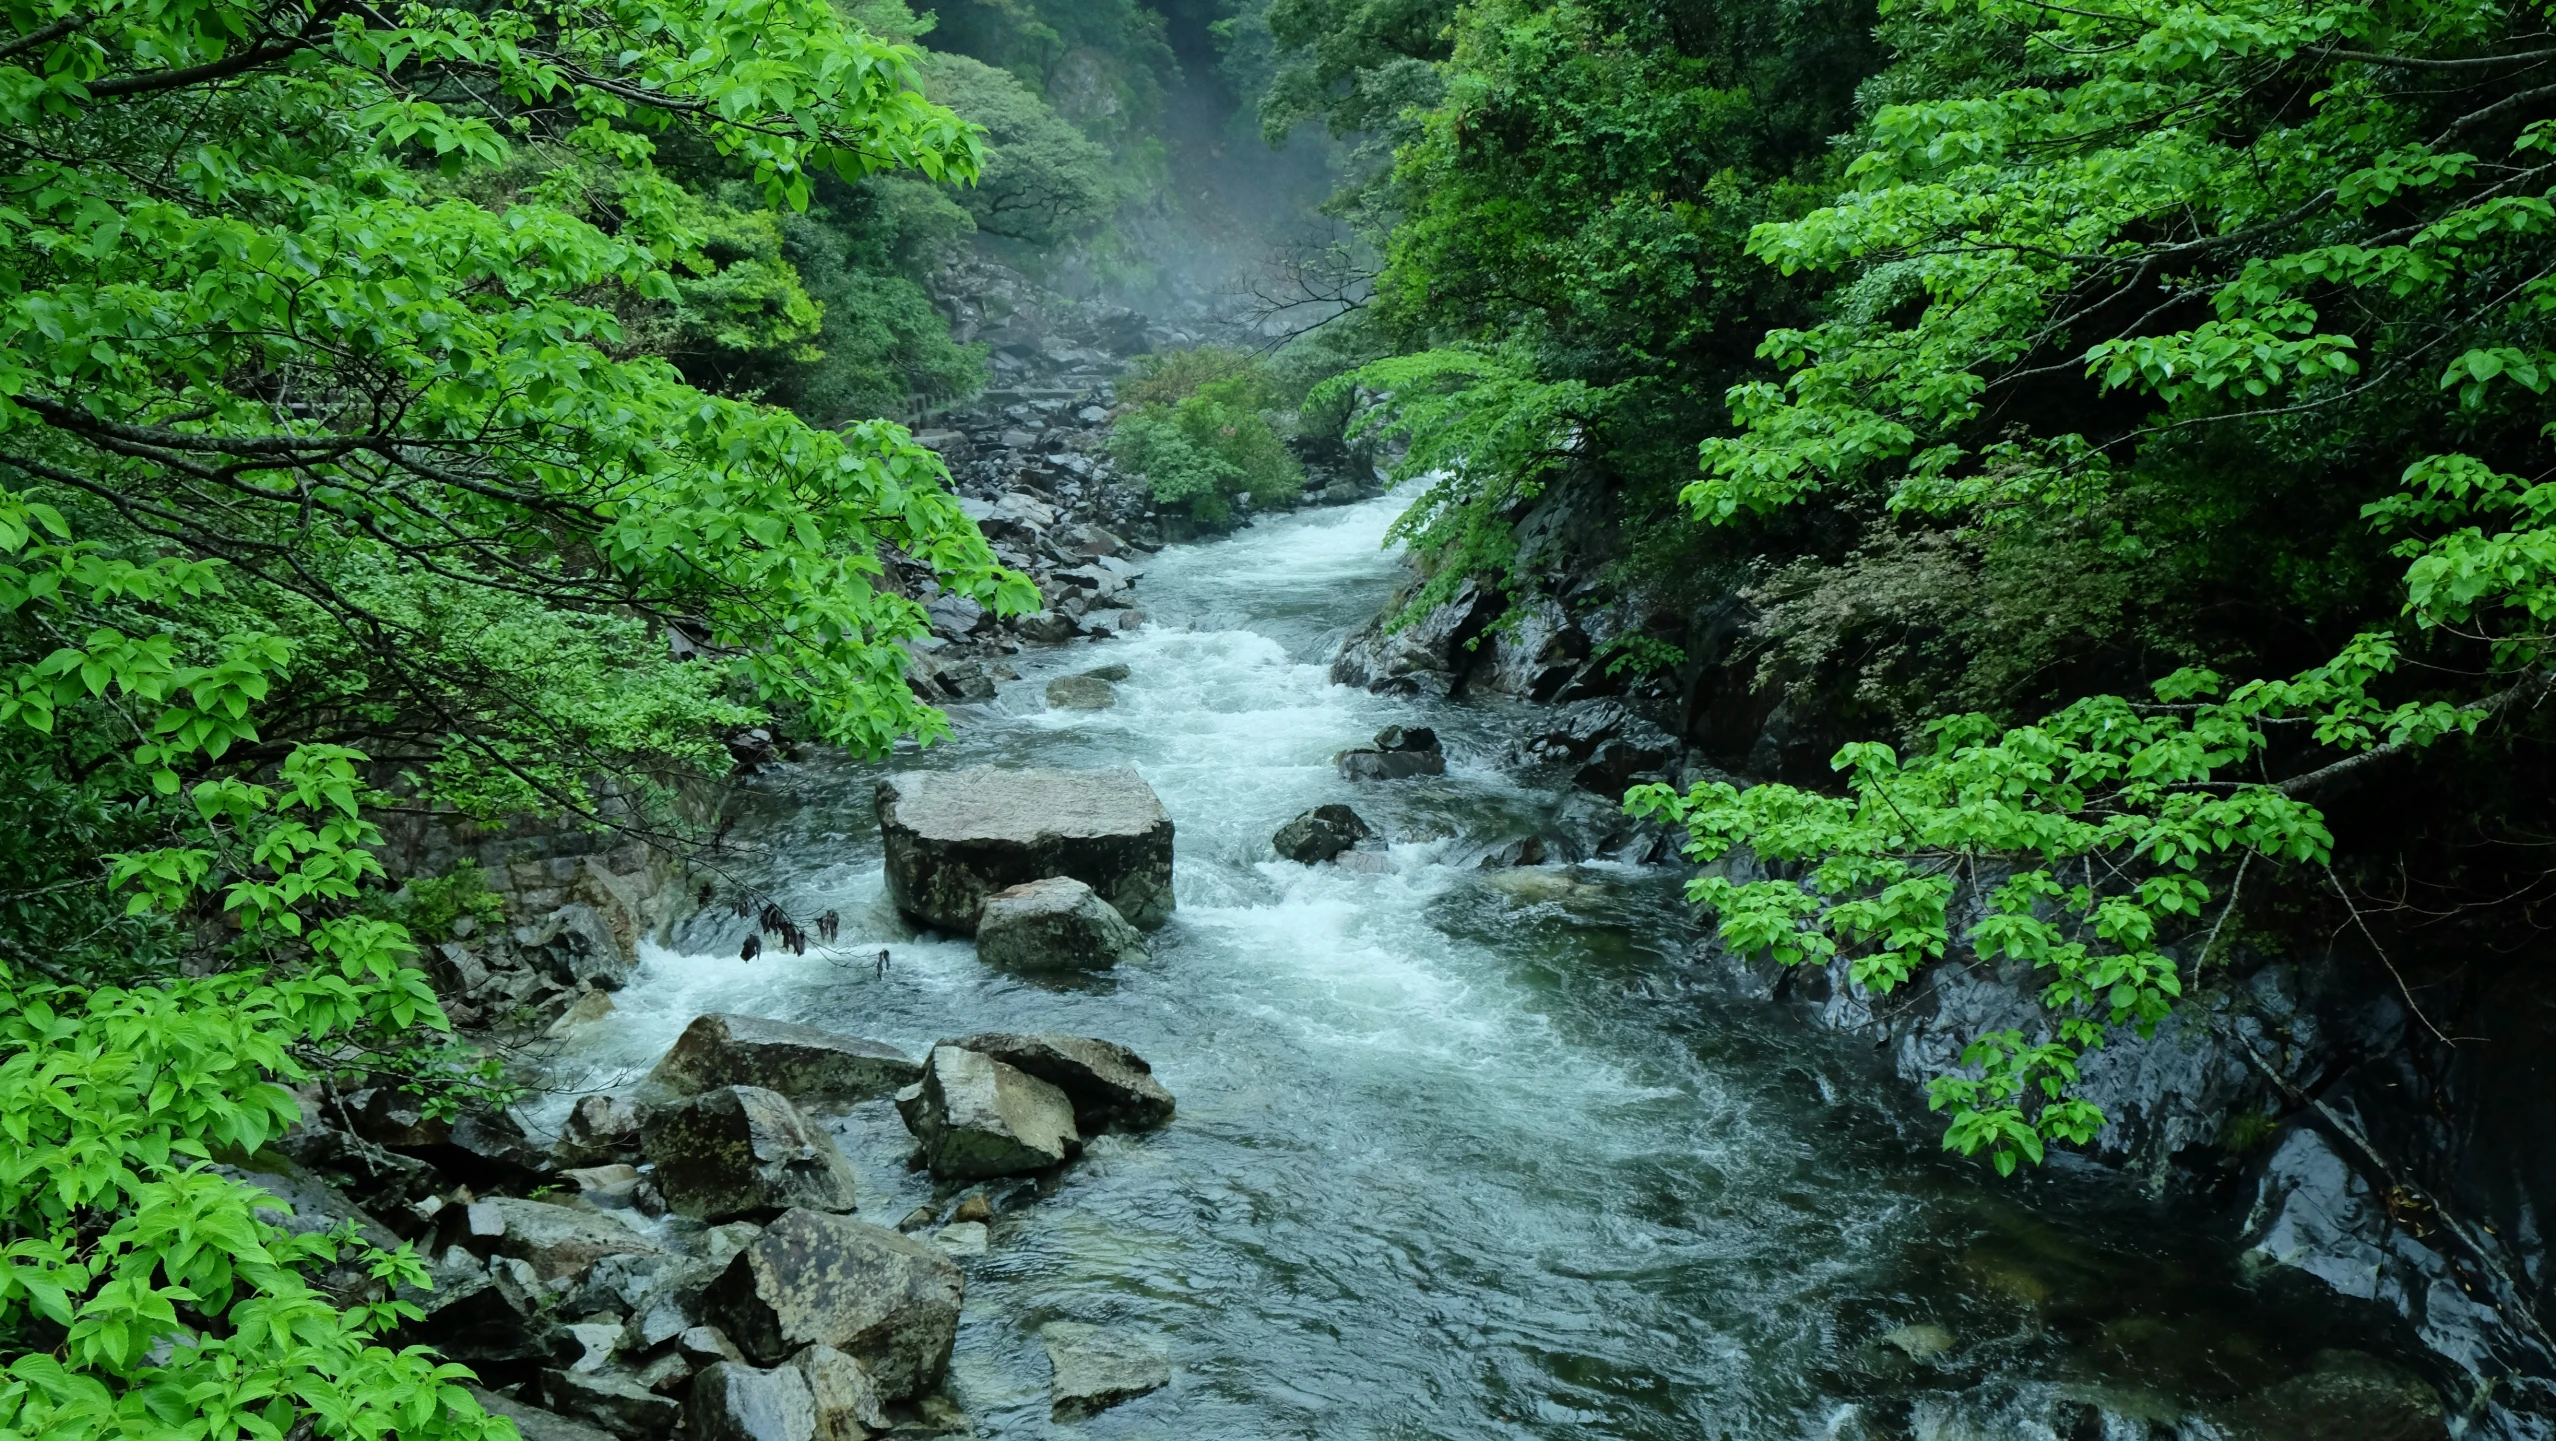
column 2075, row 479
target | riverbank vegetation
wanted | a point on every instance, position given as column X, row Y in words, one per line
column 2130, row 433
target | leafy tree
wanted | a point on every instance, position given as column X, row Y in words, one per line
column 1201, row 433
column 1043, row 180
column 327, row 459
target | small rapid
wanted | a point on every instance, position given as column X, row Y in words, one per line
column 1460, row 1153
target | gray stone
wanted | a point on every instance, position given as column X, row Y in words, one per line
column 1416, row 739
column 978, row 1117
column 1081, row 692
column 847, row 1401
column 704, row 1345
column 965, row 1238
column 1375, row 765
column 743, row 1151
column 599, row 1129
column 953, row 838
column 1047, row 626
column 1052, row 924
column 599, row 1339
column 2347, row 1396
column 615, row 1185
column 558, row 1241
column 811, row 1279
column 532, row 1422
column 1098, row 1367
column 730, row 1402
column 612, row 1400
column 801, row 1062
column 575, row 943
column 484, row 1317
column 307, row 1204
column 1114, row 671
column 1320, row 834
column 1111, row 1088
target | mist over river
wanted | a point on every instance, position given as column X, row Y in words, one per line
column 1460, row 1153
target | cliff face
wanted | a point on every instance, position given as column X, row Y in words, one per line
column 2345, row 1143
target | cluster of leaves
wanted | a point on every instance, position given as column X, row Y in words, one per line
column 1203, row 429
column 332, row 455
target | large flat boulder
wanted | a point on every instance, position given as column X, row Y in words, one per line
column 1096, row 1367
column 955, row 838
column 978, row 1117
column 1110, row 1087
column 811, row 1279
column 1054, row 924
column 557, row 1241
column 744, row 1152
column 801, row 1062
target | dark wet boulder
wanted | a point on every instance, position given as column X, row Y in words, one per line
column 1097, row 1367
column 485, row 1150
column 599, row 1130
column 558, row 1242
column 811, row 1279
column 2347, row 1396
column 848, row 1406
column 1109, row 1086
column 485, row 1319
column 955, row 838
column 613, row 1400
column 1381, row 765
column 1320, row 834
column 732, row 1402
column 1054, row 924
column 1416, row 740
column 1081, row 692
column 978, row 1117
column 575, row 943
column 532, row 1422
column 801, row 1062
column 743, row 1151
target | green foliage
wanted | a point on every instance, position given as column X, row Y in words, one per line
column 1043, row 179
column 430, row 905
column 332, row 449
column 1201, row 433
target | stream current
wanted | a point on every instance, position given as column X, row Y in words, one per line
column 1460, row 1153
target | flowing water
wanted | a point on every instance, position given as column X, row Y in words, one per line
column 1460, row 1153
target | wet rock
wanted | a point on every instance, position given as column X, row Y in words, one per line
column 730, row 1402
column 978, row 1117
column 743, row 1151
column 888, row 1301
column 1377, row 765
column 954, row 838
column 2347, row 1396
column 612, row 1400
column 483, row 1318
column 532, row 1422
column 707, row 1345
column 1114, row 671
column 587, row 1009
column 574, row 943
column 954, row 615
column 1320, row 834
column 558, row 1241
column 973, row 1207
column 667, row 1375
column 1046, row 626
column 1428, row 656
column 1098, row 1367
column 1523, row 851
column 1080, row 692
column 599, row 1129
column 1921, row 1342
column 1055, row 924
column 801, row 1062
column 1419, row 740
column 1110, row 1087
column 918, row 1218
column 847, row 1402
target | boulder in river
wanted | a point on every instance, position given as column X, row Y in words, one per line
column 844, row 1395
column 1056, row 923
column 743, row 1151
column 888, row 1301
column 599, row 1129
column 1320, row 834
column 1110, row 1087
column 557, row 1241
column 1098, row 1367
column 801, row 1062
column 1081, row 692
column 732, row 1402
column 1400, row 752
column 954, row 838
column 978, row 1117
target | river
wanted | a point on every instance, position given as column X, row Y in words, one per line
column 1460, row 1154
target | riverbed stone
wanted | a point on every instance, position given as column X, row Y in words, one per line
column 732, row 1402
column 812, row 1279
column 978, row 1117
column 1081, row 692
column 1098, row 1367
column 955, row 838
column 483, row 1318
column 560, row 1242
column 801, row 1062
column 533, row 1423
column 1320, row 834
column 1382, row 765
column 846, row 1398
column 599, row 1129
column 1110, row 1087
column 743, row 1152
column 2347, row 1396
column 1054, row 924
column 612, row 1400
